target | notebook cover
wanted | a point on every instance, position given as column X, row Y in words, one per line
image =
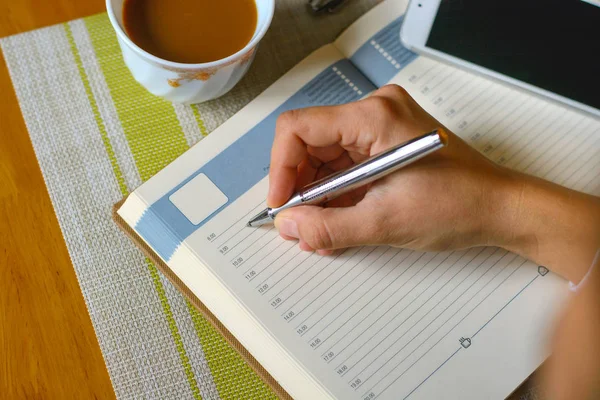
column 164, row 268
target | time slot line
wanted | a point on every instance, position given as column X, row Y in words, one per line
column 254, row 209
column 495, row 95
column 277, row 300
column 292, row 270
column 327, row 288
column 226, row 249
column 584, row 162
column 277, row 243
column 392, row 294
column 577, row 149
column 393, row 269
column 596, row 190
column 371, row 348
column 541, row 128
column 504, row 132
column 427, row 326
column 534, row 141
column 261, row 248
column 489, row 111
column 533, row 122
column 283, row 244
column 452, row 109
column 444, row 78
column 420, row 76
column 465, row 106
column 465, row 122
column 442, row 338
column 459, row 76
column 502, row 114
column 346, row 286
column 427, row 86
column 595, row 167
column 250, row 245
column 367, row 292
column 453, row 92
column 443, row 86
column 427, row 313
column 294, row 251
column 312, row 277
column 544, row 144
column 393, row 306
column 311, row 266
column 410, row 303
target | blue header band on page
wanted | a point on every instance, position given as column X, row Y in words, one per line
column 246, row 162
column 383, row 56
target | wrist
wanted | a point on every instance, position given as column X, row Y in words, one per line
column 505, row 223
column 548, row 224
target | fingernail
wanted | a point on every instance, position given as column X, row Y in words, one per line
column 324, row 252
column 304, row 246
column 288, row 227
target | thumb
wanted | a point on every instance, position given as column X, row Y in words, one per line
column 328, row 228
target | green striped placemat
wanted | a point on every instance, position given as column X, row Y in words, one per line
column 98, row 135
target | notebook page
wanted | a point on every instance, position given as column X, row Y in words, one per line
column 388, row 323
column 377, row 322
column 513, row 128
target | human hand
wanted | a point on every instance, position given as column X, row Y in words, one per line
column 451, row 199
column 573, row 370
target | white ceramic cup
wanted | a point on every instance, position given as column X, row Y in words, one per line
column 188, row 83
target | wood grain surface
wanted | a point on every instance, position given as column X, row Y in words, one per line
column 48, row 348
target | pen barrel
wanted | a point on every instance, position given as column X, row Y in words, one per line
column 372, row 169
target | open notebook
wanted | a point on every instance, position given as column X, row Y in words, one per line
column 367, row 322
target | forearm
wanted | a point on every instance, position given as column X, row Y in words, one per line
column 550, row 225
column 573, row 370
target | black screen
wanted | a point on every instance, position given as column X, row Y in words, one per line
column 552, row 44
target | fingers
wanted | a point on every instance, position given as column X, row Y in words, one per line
column 329, row 228
column 360, row 129
column 326, row 131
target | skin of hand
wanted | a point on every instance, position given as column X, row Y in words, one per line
column 573, row 370
column 452, row 199
column 442, row 202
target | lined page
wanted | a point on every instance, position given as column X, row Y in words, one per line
column 513, row 128
column 375, row 322
column 383, row 323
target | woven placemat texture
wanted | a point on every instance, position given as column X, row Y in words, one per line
column 98, row 135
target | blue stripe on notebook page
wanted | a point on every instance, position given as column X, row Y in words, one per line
column 383, row 56
column 246, row 162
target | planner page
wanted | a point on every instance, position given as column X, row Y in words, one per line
column 369, row 322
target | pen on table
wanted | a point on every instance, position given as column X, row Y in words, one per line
column 374, row 168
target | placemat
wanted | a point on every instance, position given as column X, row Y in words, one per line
column 98, row 135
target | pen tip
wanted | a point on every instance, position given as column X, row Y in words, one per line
column 260, row 219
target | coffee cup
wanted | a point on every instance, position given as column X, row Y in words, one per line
column 188, row 83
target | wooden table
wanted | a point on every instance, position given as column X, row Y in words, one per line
column 48, row 348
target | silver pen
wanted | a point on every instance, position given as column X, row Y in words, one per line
column 374, row 168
